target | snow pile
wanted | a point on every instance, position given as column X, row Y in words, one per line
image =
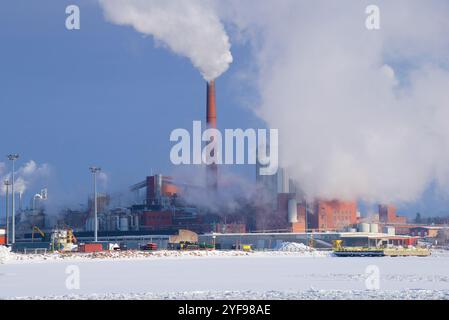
column 294, row 247
column 5, row 254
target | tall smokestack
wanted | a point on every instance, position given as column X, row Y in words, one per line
column 211, row 114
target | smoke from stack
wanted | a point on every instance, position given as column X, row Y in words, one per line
column 27, row 176
column 188, row 28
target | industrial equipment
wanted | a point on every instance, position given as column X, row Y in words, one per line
column 149, row 247
column 206, row 246
column 63, row 240
column 186, row 245
column 36, row 229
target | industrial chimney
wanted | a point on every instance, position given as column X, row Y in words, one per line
column 211, row 114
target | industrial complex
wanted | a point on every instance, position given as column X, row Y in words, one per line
column 161, row 211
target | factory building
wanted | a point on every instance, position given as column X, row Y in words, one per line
column 287, row 212
column 160, row 188
column 290, row 215
column 425, row 232
column 165, row 209
column 103, row 201
column 387, row 214
column 333, row 215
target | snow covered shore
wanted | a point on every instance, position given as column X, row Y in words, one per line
column 222, row 275
column 293, row 250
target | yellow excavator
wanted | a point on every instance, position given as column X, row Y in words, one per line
column 36, row 229
column 61, row 239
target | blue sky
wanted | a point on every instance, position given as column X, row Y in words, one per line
column 106, row 95
column 100, row 95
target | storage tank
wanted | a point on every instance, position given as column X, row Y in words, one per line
column 90, row 224
column 292, row 211
column 124, row 224
column 374, row 228
column 364, row 227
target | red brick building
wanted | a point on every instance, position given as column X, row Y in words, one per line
column 387, row 214
column 322, row 215
column 333, row 215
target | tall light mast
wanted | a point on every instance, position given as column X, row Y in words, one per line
column 94, row 171
column 13, row 158
column 7, row 184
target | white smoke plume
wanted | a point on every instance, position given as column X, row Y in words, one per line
column 26, row 176
column 362, row 114
column 189, row 28
column 233, row 193
column 103, row 179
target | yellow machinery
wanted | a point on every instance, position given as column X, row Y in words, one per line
column 341, row 251
column 407, row 252
column 338, row 244
column 63, row 240
column 36, row 229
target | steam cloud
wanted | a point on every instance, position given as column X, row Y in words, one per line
column 25, row 177
column 189, row 28
column 234, row 191
column 362, row 114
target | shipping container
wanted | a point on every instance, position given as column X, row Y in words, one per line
column 90, row 247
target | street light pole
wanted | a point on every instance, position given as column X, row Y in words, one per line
column 13, row 158
column 306, row 222
column 94, row 171
column 7, row 184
